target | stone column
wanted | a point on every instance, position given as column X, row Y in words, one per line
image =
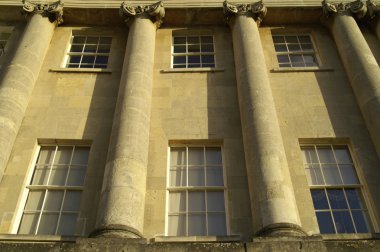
column 374, row 17
column 121, row 210
column 269, row 180
column 360, row 64
column 20, row 75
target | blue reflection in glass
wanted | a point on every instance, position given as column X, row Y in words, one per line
column 319, row 199
column 343, row 222
column 337, row 199
column 325, row 223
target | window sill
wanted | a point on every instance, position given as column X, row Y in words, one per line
column 37, row 238
column 81, row 70
column 351, row 236
column 231, row 238
column 300, row 69
column 192, row 70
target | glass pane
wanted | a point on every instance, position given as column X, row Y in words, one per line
column 63, row 155
column 196, row 156
column 207, row 48
column 74, row 59
column 53, row 200
column 76, row 48
column 196, row 202
column 67, row 224
column 283, row 58
column 342, row 156
column 73, row 65
column 80, row 156
column 331, row 175
column 179, row 49
column 35, row 199
column 76, row 176
column 48, row 224
column 177, row 201
column 207, row 58
column 40, row 176
column 309, row 155
column 325, row 223
column 291, row 39
column 196, row 176
column 337, row 199
column 104, row 48
column 194, row 48
column 353, row 198
column 58, row 175
column 215, row 201
column 280, row 48
column 46, row 155
column 28, row 223
column 319, row 199
column 343, row 222
column 179, row 59
column 194, row 59
column 178, row 177
column 192, row 40
column 360, row 221
column 325, row 155
column 105, row 40
column 309, row 58
column 179, row 40
column 314, row 174
column 194, row 65
column 307, row 47
column 294, row 48
column 90, row 48
column 177, row 156
column 296, row 58
column 92, row 40
column 348, row 174
column 207, row 39
column 214, row 176
column 278, row 39
column 72, row 201
column 217, row 224
column 304, row 39
column 177, row 225
column 79, row 39
column 197, row 224
column 88, row 59
column 101, row 60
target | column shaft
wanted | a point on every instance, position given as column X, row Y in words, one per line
column 361, row 68
column 268, row 174
column 123, row 193
column 18, row 80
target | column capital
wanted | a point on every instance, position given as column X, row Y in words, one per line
column 357, row 9
column 155, row 12
column 373, row 9
column 255, row 10
column 52, row 10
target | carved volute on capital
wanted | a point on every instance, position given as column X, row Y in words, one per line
column 155, row 12
column 373, row 9
column 54, row 10
column 256, row 10
column 358, row 8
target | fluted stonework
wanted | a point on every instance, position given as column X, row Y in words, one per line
column 269, row 181
column 19, row 76
column 121, row 211
column 360, row 64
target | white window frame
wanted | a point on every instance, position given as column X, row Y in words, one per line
column 187, row 54
column 66, row 62
column 302, row 52
column 359, row 187
column 16, row 222
column 195, row 188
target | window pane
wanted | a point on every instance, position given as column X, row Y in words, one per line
column 192, row 40
column 63, row 155
column 309, row 58
column 88, row 59
column 309, row 155
column 213, row 156
column 196, row 176
column 314, row 174
column 178, row 177
column 179, row 59
column 105, row 40
column 296, row 58
column 92, row 40
column 179, row 40
column 294, row 48
column 35, row 199
column 319, row 199
column 104, row 48
column 194, row 48
column 337, row 199
column 280, row 48
column 214, row 176
column 325, row 155
column 79, row 39
column 217, row 224
column 283, row 58
column 177, row 202
column 177, row 156
column 74, row 59
column 195, row 156
column 207, row 58
column 48, row 224
column 76, row 48
column 80, row 156
column 278, row 39
column 360, row 221
column 194, row 59
column 196, row 202
column 179, row 49
column 46, row 155
column 304, row 39
column 348, row 174
column 76, row 176
column 325, row 223
column 177, row 225
column 90, row 48
column 67, row 224
column 307, row 47
column 215, row 201
column 58, row 175
column 343, row 222
column 291, row 39
column 28, row 223
column 72, row 201
column 207, row 39
column 331, row 175
column 40, row 175
column 101, row 60
column 353, row 198
column 342, row 156
column 53, row 200
column 207, row 48
column 197, row 224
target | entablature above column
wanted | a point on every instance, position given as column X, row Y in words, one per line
column 52, row 10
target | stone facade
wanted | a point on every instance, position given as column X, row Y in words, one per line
column 256, row 99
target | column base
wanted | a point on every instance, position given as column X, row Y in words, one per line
column 281, row 229
column 116, row 231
